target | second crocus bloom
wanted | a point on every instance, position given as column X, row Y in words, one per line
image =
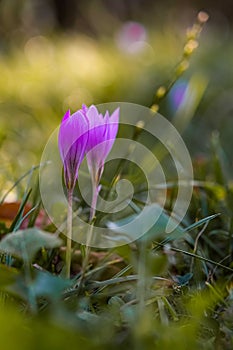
column 102, row 134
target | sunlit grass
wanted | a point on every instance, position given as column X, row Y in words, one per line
column 43, row 78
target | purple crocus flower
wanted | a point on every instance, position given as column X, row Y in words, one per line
column 86, row 132
column 72, row 142
column 102, row 134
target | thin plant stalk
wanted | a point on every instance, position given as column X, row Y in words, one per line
column 69, row 232
column 95, row 192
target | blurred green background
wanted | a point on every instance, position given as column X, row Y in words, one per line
column 56, row 55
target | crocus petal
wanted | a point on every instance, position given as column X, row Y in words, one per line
column 113, row 127
column 112, row 123
column 93, row 116
column 102, row 134
column 66, row 116
column 72, row 140
column 96, row 127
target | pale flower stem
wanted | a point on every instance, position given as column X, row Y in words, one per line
column 69, row 233
column 95, row 192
